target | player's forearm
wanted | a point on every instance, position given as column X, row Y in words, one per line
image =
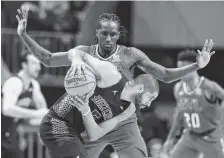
column 42, row 54
column 110, row 124
column 93, row 130
column 174, row 74
column 96, row 131
column 176, row 125
column 19, row 112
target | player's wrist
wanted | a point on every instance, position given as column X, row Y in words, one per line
column 22, row 34
column 85, row 111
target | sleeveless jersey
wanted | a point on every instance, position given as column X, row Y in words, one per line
column 122, row 58
column 9, row 124
column 199, row 112
column 104, row 104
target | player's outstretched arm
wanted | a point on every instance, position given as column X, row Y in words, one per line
column 47, row 58
column 169, row 75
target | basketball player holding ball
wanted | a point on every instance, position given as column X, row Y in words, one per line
column 126, row 59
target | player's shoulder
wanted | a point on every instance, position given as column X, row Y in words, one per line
column 12, row 83
column 209, row 84
column 134, row 52
column 177, row 85
column 13, row 80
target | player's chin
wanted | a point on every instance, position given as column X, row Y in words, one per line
column 108, row 48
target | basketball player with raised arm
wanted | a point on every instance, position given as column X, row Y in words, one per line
column 126, row 59
column 199, row 103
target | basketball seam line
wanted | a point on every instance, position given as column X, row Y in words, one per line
column 80, row 85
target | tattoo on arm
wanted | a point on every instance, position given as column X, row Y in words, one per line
column 43, row 55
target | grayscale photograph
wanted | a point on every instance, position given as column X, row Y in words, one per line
column 112, row 79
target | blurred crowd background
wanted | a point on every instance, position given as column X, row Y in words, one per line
column 160, row 29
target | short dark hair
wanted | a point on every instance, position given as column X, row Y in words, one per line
column 23, row 56
column 187, row 55
column 150, row 83
column 112, row 17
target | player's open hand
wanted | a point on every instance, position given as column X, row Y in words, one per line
column 205, row 54
column 22, row 20
column 82, row 104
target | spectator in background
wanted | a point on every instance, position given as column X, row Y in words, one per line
column 53, row 15
column 152, row 125
column 22, row 102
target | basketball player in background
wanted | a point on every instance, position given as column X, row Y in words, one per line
column 22, row 100
column 199, row 110
column 108, row 32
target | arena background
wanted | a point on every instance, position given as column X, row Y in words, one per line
column 160, row 29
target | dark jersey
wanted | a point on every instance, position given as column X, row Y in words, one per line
column 9, row 123
column 200, row 109
column 104, row 104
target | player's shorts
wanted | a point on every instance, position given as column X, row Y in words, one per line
column 191, row 145
column 8, row 152
column 60, row 139
column 126, row 139
column 9, row 145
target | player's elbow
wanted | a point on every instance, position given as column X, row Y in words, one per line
column 94, row 137
column 168, row 76
column 7, row 111
column 47, row 63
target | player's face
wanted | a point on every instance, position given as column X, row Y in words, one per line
column 108, row 35
column 33, row 66
column 185, row 63
column 145, row 99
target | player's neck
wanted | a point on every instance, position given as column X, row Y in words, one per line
column 25, row 77
column 192, row 82
column 106, row 54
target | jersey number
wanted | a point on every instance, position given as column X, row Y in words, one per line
column 192, row 120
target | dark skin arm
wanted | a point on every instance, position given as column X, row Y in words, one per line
column 169, row 75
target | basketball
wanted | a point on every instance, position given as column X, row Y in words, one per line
column 80, row 85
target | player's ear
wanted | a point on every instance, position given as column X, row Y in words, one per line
column 140, row 88
column 118, row 35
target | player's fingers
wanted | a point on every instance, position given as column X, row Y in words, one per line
column 17, row 17
column 23, row 12
column 205, row 45
column 212, row 53
column 76, row 103
column 26, row 12
column 80, row 100
column 210, row 45
column 199, row 52
column 20, row 13
column 79, row 70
